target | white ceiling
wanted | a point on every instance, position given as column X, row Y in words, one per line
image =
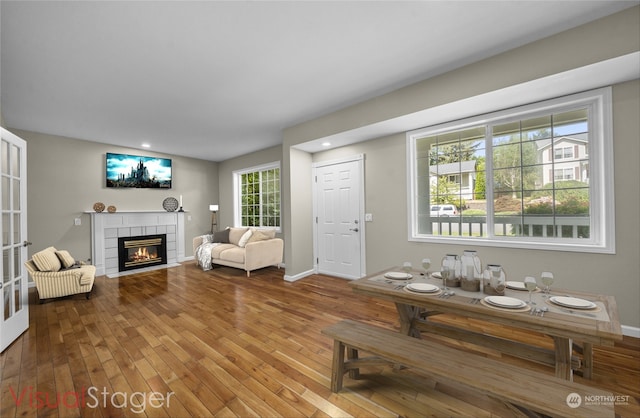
column 219, row 79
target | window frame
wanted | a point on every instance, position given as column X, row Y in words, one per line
column 237, row 195
column 599, row 154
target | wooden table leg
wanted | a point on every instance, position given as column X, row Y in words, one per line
column 563, row 348
column 407, row 314
column 586, row 350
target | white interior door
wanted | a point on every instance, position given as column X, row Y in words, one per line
column 14, row 303
column 339, row 212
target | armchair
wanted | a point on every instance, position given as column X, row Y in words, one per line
column 57, row 274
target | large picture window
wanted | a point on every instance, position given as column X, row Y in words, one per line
column 537, row 176
column 257, row 199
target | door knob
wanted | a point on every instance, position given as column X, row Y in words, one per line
column 354, row 229
column 27, row 243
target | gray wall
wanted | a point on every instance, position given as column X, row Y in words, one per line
column 66, row 176
column 385, row 175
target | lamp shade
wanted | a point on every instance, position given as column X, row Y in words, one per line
column 213, row 208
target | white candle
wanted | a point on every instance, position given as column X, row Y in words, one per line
column 180, row 200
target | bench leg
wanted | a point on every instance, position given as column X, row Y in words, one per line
column 337, row 369
column 352, row 354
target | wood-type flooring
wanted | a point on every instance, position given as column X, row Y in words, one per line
column 181, row 342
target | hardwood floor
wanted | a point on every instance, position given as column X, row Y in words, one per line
column 181, row 342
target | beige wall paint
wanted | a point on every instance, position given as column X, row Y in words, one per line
column 66, row 176
column 618, row 274
column 226, row 169
column 385, row 175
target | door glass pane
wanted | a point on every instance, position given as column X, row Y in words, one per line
column 17, row 295
column 16, row 228
column 6, row 229
column 15, row 161
column 6, row 290
column 16, row 195
column 6, row 274
column 5, row 157
column 5, row 192
column 17, row 265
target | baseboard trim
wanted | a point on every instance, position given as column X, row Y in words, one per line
column 631, row 331
column 298, row 276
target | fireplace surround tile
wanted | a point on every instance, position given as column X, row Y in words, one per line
column 106, row 228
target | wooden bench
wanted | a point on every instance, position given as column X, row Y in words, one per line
column 531, row 390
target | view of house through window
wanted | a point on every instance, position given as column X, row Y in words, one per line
column 526, row 177
column 259, row 197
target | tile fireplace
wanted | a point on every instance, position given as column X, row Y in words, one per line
column 108, row 228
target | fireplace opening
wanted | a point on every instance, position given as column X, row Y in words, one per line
column 141, row 251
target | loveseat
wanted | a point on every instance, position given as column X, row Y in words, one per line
column 244, row 248
column 57, row 274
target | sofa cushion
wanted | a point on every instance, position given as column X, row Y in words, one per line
column 245, row 238
column 218, row 249
column 235, row 234
column 47, row 260
column 65, row 258
column 234, row 254
column 259, row 236
column 221, row 236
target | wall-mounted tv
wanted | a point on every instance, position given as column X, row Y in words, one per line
column 124, row 170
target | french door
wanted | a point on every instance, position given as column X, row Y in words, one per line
column 339, row 206
column 14, row 304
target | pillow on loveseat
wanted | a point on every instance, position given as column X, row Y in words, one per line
column 259, row 236
column 221, row 237
column 47, row 260
column 235, row 234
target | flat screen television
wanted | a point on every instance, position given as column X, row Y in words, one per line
column 124, row 170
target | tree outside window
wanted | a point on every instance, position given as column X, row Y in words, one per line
column 520, row 174
column 259, row 197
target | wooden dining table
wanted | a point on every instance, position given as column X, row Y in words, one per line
column 571, row 330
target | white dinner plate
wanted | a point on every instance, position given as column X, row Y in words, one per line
column 422, row 287
column 570, row 302
column 504, row 302
column 397, row 275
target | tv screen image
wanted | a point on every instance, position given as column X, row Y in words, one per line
column 124, row 170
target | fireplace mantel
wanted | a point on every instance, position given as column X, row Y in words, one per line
column 107, row 227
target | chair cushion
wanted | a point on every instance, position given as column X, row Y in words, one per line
column 218, row 249
column 65, row 258
column 234, row 254
column 47, row 260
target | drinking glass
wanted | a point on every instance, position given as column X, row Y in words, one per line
column 547, row 281
column 530, row 284
column 426, row 263
column 446, row 274
column 406, row 266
